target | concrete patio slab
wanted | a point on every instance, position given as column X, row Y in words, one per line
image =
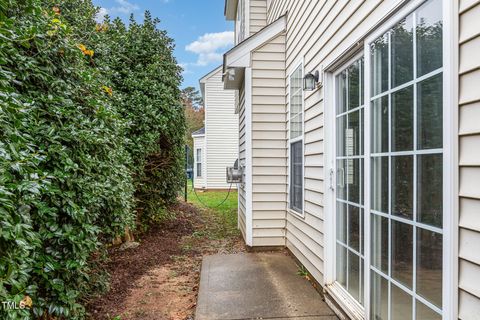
column 256, row 286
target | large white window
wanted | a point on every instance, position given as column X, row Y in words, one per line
column 199, row 162
column 296, row 140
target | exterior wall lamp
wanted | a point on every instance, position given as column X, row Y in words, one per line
column 310, row 80
column 231, row 74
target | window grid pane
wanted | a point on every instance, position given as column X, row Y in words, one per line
column 199, row 169
column 296, row 104
column 409, row 118
column 296, row 176
column 199, row 162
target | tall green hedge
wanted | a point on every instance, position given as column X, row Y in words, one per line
column 90, row 137
column 142, row 69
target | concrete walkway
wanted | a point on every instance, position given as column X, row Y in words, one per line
column 256, row 286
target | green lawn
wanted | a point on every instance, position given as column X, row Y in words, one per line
column 225, row 213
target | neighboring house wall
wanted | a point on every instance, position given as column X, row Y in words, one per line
column 199, row 143
column 469, row 159
column 221, row 131
column 269, row 153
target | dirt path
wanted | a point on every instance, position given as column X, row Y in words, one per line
column 159, row 279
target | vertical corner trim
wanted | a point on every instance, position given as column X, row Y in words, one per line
column 248, row 156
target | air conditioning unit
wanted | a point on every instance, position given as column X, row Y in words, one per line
column 234, row 174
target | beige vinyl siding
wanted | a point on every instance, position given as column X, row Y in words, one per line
column 269, row 149
column 319, row 32
column 469, row 159
column 199, row 182
column 221, row 128
column 258, row 15
column 242, row 162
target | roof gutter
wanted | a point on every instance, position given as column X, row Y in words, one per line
column 230, row 10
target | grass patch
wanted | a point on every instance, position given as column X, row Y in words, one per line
column 224, row 215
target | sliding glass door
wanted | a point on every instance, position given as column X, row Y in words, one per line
column 406, row 167
column 404, row 159
column 349, row 156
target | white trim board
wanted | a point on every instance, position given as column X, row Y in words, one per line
column 248, row 158
column 450, row 159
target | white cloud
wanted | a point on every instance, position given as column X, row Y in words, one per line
column 185, row 67
column 124, row 7
column 102, row 12
column 210, row 47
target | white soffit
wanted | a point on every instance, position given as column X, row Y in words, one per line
column 239, row 56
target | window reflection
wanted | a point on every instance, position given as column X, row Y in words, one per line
column 402, row 51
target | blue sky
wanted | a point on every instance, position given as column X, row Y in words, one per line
column 198, row 27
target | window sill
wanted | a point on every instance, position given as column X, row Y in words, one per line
column 296, row 213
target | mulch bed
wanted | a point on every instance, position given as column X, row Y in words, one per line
column 157, row 246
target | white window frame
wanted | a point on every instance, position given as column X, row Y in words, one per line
column 301, row 214
column 198, row 162
column 450, row 162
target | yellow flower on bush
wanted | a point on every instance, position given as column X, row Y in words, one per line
column 100, row 27
column 26, row 302
column 85, row 51
column 107, row 90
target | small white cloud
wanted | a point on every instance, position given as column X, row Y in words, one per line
column 102, row 12
column 186, row 68
column 209, row 47
column 124, row 7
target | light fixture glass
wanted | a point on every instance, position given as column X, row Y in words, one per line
column 231, row 74
column 310, row 81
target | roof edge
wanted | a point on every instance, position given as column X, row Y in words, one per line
column 251, row 43
column 230, row 9
column 199, row 132
column 209, row 74
column 204, row 79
